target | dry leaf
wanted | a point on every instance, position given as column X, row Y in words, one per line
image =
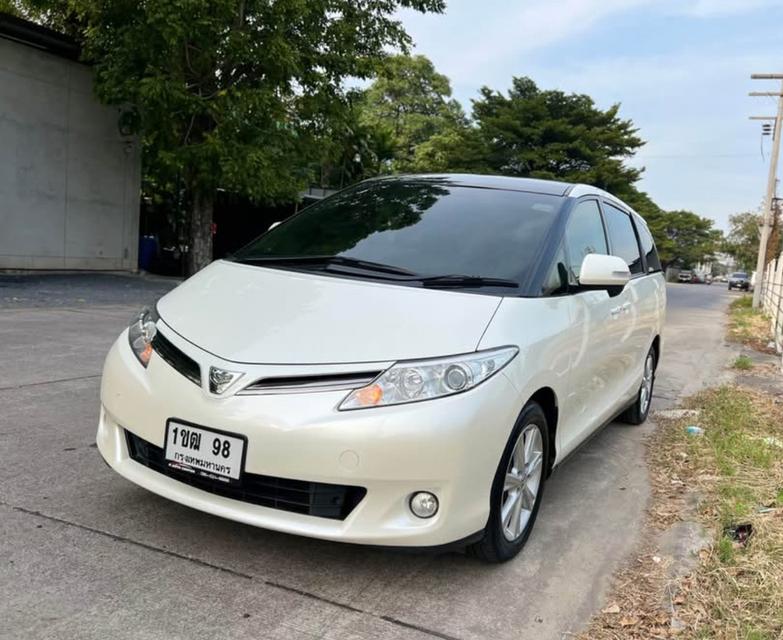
column 628, row 621
column 612, row 608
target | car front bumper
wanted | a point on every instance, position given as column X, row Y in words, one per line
column 449, row 446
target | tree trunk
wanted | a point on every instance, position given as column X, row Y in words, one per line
column 200, row 254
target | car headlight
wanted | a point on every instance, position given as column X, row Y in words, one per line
column 140, row 334
column 415, row 380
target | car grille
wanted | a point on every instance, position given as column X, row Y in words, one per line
column 186, row 365
column 332, row 501
column 311, row 383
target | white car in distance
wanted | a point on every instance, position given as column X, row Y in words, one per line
column 402, row 364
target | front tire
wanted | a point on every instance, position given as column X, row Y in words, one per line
column 517, row 488
column 638, row 411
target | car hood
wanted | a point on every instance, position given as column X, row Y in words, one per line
column 262, row 315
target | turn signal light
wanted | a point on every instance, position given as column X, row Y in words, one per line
column 369, row 396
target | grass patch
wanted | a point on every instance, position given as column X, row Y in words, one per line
column 743, row 363
column 737, row 591
column 731, row 475
column 747, row 325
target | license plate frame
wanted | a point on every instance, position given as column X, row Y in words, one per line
column 205, row 473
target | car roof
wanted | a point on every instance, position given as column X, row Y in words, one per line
column 509, row 183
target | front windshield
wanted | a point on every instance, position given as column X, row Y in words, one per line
column 428, row 227
column 739, row 274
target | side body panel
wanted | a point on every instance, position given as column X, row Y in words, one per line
column 548, row 343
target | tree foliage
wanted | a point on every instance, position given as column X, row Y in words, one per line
column 550, row 134
column 742, row 242
column 683, row 238
column 411, row 102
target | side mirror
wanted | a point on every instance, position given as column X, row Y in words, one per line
column 604, row 272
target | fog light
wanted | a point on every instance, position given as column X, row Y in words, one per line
column 424, row 504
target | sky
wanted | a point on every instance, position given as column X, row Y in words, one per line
column 680, row 69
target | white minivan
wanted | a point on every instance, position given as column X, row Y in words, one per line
column 401, row 364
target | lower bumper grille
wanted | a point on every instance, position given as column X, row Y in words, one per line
column 318, row 499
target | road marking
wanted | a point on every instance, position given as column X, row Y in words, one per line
column 38, row 384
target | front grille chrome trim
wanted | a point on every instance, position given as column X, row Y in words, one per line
column 310, row 383
column 176, row 359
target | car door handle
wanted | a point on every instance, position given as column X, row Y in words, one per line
column 626, row 307
column 615, row 312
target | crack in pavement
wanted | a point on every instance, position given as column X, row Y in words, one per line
column 245, row 576
column 45, row 382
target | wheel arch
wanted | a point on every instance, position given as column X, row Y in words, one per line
column 656, row 345
column 546, row 398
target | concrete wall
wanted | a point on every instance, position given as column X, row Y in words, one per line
column 69, row 183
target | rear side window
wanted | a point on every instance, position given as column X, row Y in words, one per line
column 648, row 248
column 584, row 235
column 623, row 238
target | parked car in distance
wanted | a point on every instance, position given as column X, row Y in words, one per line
column 403, row 363
column 685, row 276
column 739, row 280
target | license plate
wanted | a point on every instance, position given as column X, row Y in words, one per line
column 205, row 452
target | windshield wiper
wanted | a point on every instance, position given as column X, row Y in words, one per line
column 326, row 261
column 446, row 281
column 458, row 281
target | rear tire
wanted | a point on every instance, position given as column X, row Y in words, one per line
column 517, row 488
column 637, row 413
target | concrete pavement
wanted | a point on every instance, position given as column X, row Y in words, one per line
column 85, row 554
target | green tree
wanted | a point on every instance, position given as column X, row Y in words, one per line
column 412, row 102
column 742, row 241
column 683, row 238
column 352, row 149
column 551, row 134
column 232, row 94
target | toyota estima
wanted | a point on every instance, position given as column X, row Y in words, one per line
column 402, row 364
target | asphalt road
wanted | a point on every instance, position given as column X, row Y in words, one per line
column 85, row 554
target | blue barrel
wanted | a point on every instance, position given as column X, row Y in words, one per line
column 148, row 250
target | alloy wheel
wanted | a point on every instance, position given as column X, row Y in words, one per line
column 523, row 481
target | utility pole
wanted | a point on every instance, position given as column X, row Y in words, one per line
column 771, row 182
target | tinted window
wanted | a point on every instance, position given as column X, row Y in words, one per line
column 623, row 238
column 648, row 248
column 584, row 235
column 739, row 274
column 429, row 227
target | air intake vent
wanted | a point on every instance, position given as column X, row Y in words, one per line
column 318, row 499
column 186, row 365
column 311, row 384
